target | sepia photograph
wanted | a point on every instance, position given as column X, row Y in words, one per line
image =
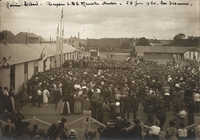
column 99, row 70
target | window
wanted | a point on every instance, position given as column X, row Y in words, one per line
column 26, row 68
column 25, row 72
column 35, row 69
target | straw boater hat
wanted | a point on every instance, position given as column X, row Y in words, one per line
column 117, row 103
column 72, row 132
column 182, row 114
column 119, row 118
column 110, row 123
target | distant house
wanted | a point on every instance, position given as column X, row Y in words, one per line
column 193, row 54
column 165, row 42
column 26, row 37
column 26, row 60
column 103, row 44
column 161, row 52
column 154, row 42
column 9, row 37
column 75, row 42
column 41, row 39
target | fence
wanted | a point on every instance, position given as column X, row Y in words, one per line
column 81, row 126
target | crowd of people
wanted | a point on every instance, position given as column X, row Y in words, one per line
column 113, row 91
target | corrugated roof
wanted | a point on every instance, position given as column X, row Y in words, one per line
column 161, row 49
column 104, row 42
column 9, row 36
column 24, row 53
column 29, row 34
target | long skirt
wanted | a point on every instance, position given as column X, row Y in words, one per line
column 65, row 108
column 45, row 98
column 106, row 117
column 77, row 107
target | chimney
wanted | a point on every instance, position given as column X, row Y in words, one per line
column 78, row 35
column 26, row 38
column 50, row 40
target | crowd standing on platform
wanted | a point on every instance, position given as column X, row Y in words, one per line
column 112, row 90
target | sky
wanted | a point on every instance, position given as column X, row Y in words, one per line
column 100, row 21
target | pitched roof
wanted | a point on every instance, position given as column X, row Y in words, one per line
column 195, row 49
column 9, row 36
column 165, row 42
column 24, row 53
column 161, row 49
column 28, row 34
column 104, row 42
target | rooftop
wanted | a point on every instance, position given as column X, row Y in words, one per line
column 162, row 49
column 24, row 53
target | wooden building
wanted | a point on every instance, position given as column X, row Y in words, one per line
column 26, row 37
column 161, row 52
column 193, row 54
column 26, row 60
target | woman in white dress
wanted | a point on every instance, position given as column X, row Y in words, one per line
column 46, row 94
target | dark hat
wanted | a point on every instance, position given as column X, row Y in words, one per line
column 35, row 126
column 101, row 128
column 171, row 123
column 53, row 126
column 136, row 121
column 61, row 126
column 63, row 120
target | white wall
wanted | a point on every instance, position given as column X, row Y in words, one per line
column 40, row 66
column 53, row 62
column 48, row 63
column 5, row 77
column 30, row 69
column 19, row 76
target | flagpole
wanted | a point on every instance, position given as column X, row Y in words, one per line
column 57, row 47
column 62, row 59
column 61, row 39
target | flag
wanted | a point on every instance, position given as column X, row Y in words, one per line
column 42, row 55
column 62, row 13
column 5, row 63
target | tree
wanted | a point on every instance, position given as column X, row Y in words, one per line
column 179, row 40
column 179, row 36
column 193, row 41
column 1, row 36
column 142, row 42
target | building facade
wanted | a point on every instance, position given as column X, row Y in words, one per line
column 161, row 52
column 193, row 54
column 26, row 60
column 26, row 37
